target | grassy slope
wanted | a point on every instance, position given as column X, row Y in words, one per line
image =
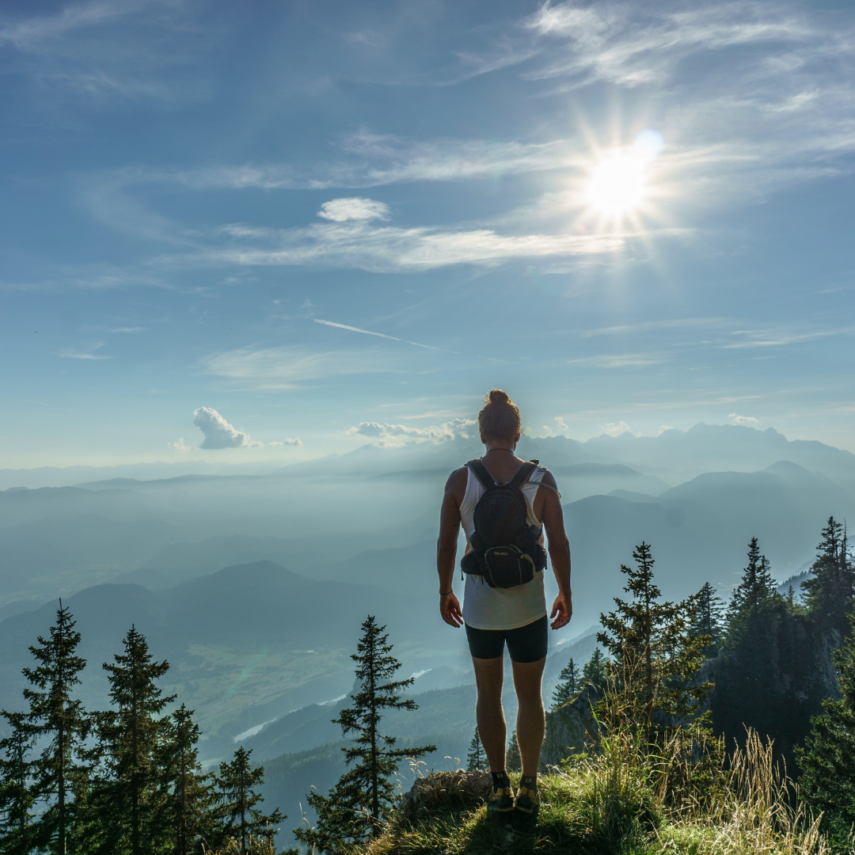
column 613, row 803
column 574, row 821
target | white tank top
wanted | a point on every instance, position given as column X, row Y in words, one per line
column 501, row 608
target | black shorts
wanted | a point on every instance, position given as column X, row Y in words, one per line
column 525, row 643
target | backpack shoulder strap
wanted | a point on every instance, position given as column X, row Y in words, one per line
column 523, row 474
column 480, row 471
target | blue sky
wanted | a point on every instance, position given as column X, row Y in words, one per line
column 337, row 222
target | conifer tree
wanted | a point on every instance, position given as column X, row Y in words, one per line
column 476, row 758
column 513, row 761
column 239, row 816
column 829, row 594
column 128, row 800
column 57, row 720
column 189, row 797
column 827, row 760
column 16, row 797
column 756, row 686
column 569, row 685
column 357, row 806
column 594, row 671
column 655, row 656
column 708, row 618
column 755, row 589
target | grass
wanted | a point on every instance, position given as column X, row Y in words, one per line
column 611, row 804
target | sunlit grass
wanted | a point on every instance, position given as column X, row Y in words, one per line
column 608, row 804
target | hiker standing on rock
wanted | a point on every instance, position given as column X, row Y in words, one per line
column 503, row 504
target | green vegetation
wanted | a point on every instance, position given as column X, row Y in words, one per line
column 476, row 758
column 358, row 806
column 614, row 803
column 569, row 685
column 828, row 758
column 638, row 742
column 121, row 781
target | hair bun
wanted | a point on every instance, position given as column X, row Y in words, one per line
column 497, row 396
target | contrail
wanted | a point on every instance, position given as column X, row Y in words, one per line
column 393, row 338
column 382, row 335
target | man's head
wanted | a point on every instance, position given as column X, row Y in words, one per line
column 499, row 420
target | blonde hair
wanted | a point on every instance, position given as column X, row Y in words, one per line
column 500, row 417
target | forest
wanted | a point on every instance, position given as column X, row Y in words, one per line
column 688, row 715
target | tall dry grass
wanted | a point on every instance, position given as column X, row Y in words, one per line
column 754, row 813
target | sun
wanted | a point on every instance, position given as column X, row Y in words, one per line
column 618, row 181
column 617, row 184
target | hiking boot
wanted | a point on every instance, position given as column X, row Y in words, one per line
column 528, row 800
column 501, row 799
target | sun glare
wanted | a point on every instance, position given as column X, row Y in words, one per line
column 618, row 182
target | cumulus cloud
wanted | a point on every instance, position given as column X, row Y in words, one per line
column 356, row 208
column 562, row 425
column 218, row 432
column 618, row 429
column 747, row 421
column 179, row 446
column 392, row 435
column 279, row 443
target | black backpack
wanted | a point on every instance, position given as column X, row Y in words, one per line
column 505, row 549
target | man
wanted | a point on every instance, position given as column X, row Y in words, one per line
column 494, row 615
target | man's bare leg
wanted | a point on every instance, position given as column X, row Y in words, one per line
column 531, row 718
column 488, row 710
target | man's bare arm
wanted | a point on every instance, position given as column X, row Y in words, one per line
column 559, row 553
column 446, row 547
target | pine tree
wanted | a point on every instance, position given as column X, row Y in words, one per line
column 129, row 799
column 357, row 806
column 829, row 594
column 188, row 799
column 708, row 618
column 238, row 814
column 827, row 760
column 594, row 672
column 569, row 685
column 58, row 721
column 751, row 673
column 756, row 587
column 476, row 758
column 655, row 656
column 16, row 796
column 513, row 761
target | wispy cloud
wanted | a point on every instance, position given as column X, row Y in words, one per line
column 104, row 50
column 383, row 249
column 654, row 326
column 373, row 160
column 781, row 337
column 88, row 353
column 275, row 369
column 622, row 360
